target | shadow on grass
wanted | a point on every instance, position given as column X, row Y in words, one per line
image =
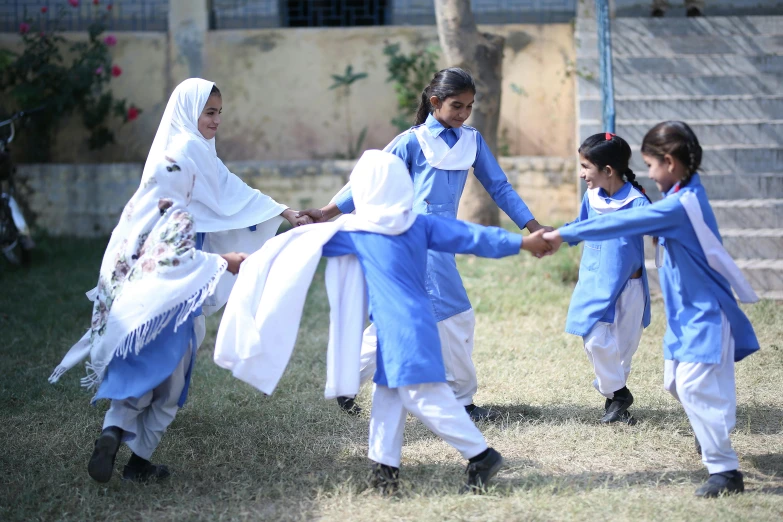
column 754, row 419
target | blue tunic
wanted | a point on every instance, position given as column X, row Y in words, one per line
column 605, row 269
column 438, row 192
column 395, row 270
column 694, row 293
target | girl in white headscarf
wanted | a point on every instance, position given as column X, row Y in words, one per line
column 156, row 275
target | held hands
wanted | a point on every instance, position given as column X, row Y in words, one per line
column 320, row 215
column 536, row 245
column 234, row 259
column 296, row 218
column 545, row 241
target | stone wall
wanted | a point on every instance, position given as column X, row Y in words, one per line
column 86, row 200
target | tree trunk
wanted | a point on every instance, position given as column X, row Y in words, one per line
column 482, row 55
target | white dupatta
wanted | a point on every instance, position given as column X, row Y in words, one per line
column 223, row 205
column 261, row 320
column 151, row 273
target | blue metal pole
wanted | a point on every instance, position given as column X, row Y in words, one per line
column 605, row 57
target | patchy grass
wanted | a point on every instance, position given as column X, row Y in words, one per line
column 237, row 455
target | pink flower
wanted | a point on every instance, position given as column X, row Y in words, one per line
column 44, row 9
column 110, row 40
column 116, row 71
column 24, row 28
column 133, row 113
column 99, row 71
column 149, row 265
column 74, row 3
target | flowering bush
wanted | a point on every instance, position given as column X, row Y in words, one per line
column 40, row 76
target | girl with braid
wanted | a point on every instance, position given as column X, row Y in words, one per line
column 610, row 306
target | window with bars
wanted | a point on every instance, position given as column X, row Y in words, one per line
column 123, row 15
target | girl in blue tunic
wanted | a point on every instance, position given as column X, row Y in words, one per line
column 378, row 254
column 438, row 152
column 706, row 329
column 610, row 306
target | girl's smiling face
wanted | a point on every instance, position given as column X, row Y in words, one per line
column 665, row 172
column 209, row 120
column 454, row 110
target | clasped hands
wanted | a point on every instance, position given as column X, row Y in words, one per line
column 545, row 241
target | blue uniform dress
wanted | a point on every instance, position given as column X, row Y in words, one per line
column 395, row 269
column 437, row 192
column 694, row 293
column 604, row 271
column 133, row 376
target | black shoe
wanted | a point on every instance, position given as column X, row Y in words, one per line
column 145, row 472
column 606, row 405
column 348, row 405
column 385, row 479
column 693, row 12
column 718, row 484
column 101, row 464
column 656, row 13
column 620, row 403
column 479, row 473
column 698, row 446
column 479, row 414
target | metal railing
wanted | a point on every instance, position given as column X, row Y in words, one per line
column 605, row 63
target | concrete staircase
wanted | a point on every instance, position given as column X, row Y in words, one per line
column 724, row 77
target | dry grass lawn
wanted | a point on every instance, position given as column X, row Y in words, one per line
column 237, row 455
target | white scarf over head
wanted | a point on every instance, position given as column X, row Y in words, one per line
column 223, row 205
column 151, row 273
column 261, row 321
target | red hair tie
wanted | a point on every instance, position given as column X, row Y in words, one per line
column 609, row 136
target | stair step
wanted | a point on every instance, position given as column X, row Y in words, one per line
column 656, row 84
column 753, row 133
column 691, row 66
column 740, row 243
column 688, row 108
column 727, row 186
column 679, row 26
column 682, row 45
column 749, row 213
column 764, row 275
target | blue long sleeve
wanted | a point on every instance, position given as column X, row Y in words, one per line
column 459, row 237
column 494, row 180
column 663, row 218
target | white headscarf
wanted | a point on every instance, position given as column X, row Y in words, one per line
column 259, row 326
column 151, row 273
column 221, row 201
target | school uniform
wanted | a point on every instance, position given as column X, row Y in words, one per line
column 608, row 309
column 438, row 160
column 706, row 329
column 386, row 245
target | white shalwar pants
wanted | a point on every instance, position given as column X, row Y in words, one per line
column 144, row 420
column 434, row 405
column 708, row 395
column 611, row 346
column 456, row 339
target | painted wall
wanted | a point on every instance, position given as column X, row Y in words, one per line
column 277, row 104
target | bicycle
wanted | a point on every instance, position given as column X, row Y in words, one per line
column 16, row 243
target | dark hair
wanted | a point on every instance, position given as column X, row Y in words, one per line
column 446, row 83
column 215, row 91
column 675, row 138
column 609, row 149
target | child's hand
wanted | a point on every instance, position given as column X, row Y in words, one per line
column 234, row 259
column 303, row 220
column 535, row 244
column 554, row 239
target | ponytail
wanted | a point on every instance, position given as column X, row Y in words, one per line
column 425, row 107
column 631, row 178
column 677, row 139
